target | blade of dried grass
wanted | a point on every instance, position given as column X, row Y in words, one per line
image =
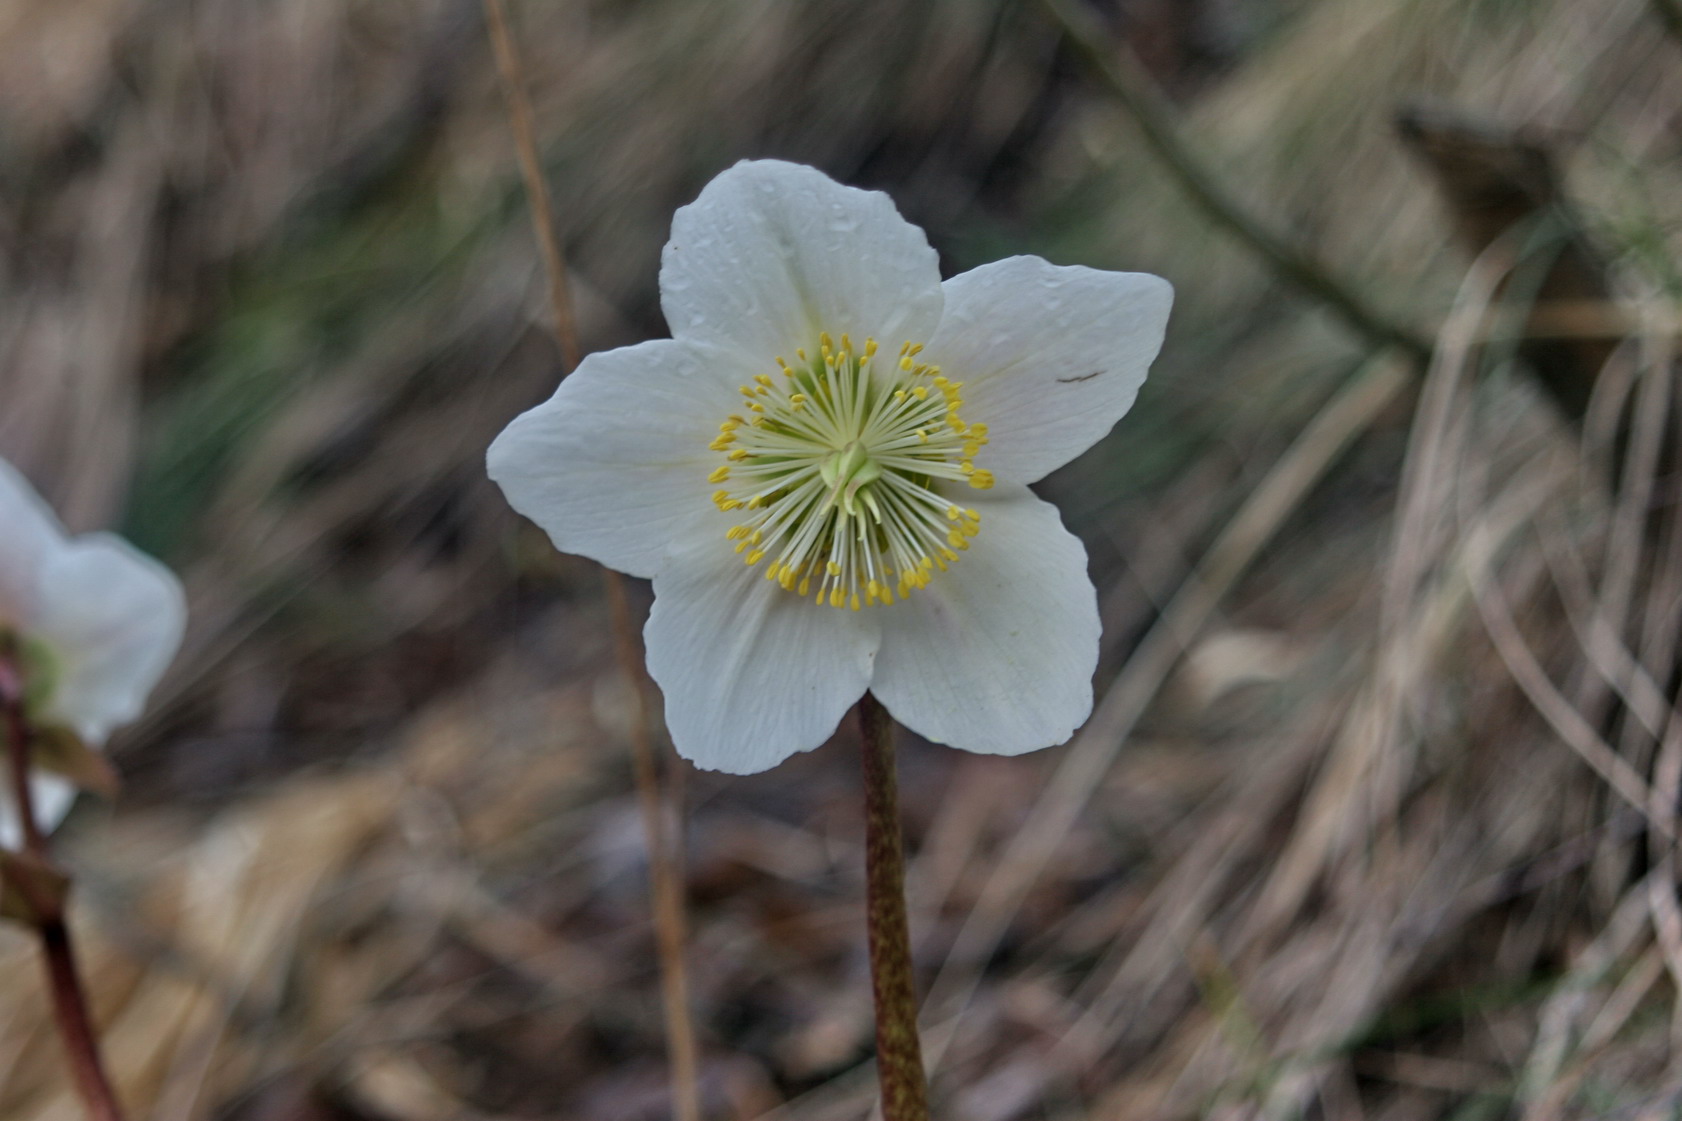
column 1541, row 1084
column 1079, row 774
column 1603, row 648
column 665, row 877
column 1339, row 803
column 1561, row 716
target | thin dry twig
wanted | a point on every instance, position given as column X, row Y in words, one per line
column 537, row 187
column 665, row 878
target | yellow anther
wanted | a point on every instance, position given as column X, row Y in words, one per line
column 922, row 435
column 736, row 532
column 720, row 473
column 857, row 605
column 738, row 455
column 967, row 467
column 755, row 537
column 888, row 597
column 758, row 408
column 787, row 579
column 916, row 349
column 797, row 398
column 982, row 480
column 833, row 568
column 759, row 554
column 846, row 343
column 941, row 382
column 763, row 379
column 805, row 586
column 756, row 502
column 920, row 392
column 905, row 364
column 825, row 340
column 972, row 514
column 837, row 597
column 747, row 391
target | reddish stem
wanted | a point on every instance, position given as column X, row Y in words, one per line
column 899, row 1054
column 70, row 1004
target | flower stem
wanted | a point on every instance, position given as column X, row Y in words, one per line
column 899, row 1054
column 70, row 1005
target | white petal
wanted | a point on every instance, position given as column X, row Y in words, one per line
column 113, row 619
column 772, row 253
column 751, row 673
column 1050, row 356
column 996, row 655
column 52, row 797
column 29, row 535
column 614, row 466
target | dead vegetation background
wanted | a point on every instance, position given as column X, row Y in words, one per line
column 1376, row 815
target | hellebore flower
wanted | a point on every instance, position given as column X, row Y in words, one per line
column 87, row 626
column 825, row 472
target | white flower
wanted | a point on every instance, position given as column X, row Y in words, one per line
column 91, row 624
column 825, row 472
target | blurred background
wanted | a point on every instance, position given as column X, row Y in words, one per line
column 1376, row 815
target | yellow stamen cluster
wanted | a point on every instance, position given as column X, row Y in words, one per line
column 842, row 462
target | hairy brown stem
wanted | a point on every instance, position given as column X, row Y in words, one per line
column 899, row 1053
column 69, row 1000
column 665, row 869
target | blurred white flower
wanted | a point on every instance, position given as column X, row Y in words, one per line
column 90, row 624
column 825, row 472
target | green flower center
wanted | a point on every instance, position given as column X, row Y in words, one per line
column 842, row 466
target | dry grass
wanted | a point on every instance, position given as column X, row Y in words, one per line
column 1376, row 815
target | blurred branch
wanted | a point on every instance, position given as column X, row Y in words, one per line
column 1125, row 76
column 1670, row 14
column 665, row 880
column 1493, row 181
